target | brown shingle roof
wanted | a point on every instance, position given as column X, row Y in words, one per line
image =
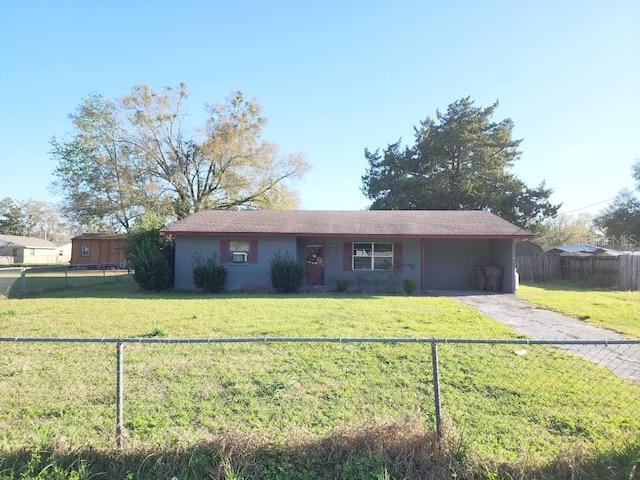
column 99, row 236
column 412, row 223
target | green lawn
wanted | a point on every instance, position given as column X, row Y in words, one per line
column 127, row 313
column 503, row 406
column 615, row 310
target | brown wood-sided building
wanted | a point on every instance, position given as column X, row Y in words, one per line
column 98, row 248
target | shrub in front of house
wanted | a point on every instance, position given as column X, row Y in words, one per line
column 286, row 274
column 208, row 276
column 409, row 285
column 150, row 255
column 151, row 269
column 342, row 285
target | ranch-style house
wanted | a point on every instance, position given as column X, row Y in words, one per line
column 374, row 250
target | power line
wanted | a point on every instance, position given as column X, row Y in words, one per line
column 588, row 206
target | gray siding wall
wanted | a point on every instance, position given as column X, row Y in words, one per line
column 503, row 253
column 367, row 281
column 447, row 264
column 244, row 276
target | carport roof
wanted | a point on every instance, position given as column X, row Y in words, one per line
column 396, row 223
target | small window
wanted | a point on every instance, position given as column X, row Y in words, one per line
column 372, row 256
column 85, row 250
column 239, row 251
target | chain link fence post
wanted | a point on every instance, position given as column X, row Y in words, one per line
column 436, row 387
column 119, row 396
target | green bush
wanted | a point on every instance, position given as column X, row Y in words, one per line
column 151, row 269
column 409, row 285
column 342, row 285
column 150, row 254
column 208, row 276
column 286, row 274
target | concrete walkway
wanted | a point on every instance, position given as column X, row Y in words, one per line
column 540, row 324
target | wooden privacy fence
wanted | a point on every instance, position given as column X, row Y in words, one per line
column 621, row 272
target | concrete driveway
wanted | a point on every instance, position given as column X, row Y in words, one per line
column 540, row 324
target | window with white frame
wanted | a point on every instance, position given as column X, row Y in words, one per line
column 239, row 251
column 372, row 256
column 85, row 250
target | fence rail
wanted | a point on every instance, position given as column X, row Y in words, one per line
column 620, row 357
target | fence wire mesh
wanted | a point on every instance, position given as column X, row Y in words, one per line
column 519, row 400
column 20, row 282
column 57, row 393
column 192, row 391
column 500, row 399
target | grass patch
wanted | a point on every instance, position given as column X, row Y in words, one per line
column 376, row 451
column 120, row 310
column 614, row 310
column 287, row 411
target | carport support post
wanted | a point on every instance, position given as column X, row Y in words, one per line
column 436, row 387
column 119, row 397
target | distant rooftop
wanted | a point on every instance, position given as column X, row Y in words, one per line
column 99, row 236
column 583, row 248
column 27, row 242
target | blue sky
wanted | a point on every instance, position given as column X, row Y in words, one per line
column 337, row 77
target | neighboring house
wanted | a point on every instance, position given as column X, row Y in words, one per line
column 525, row 248
column 30, row 251
column 98, row 248
column 582, row 249
column 375, row 250
column 65, row 248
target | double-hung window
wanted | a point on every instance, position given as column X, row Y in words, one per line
column 372, row 256
column 85, row 250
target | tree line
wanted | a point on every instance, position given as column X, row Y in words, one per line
column 33, row 218
column 145, row 152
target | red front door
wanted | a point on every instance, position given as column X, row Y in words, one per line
column 314, row 265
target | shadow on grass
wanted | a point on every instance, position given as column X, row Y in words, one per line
column 380, row 450
column 567, row 285
column 127, row 288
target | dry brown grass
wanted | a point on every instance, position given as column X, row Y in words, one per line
column 379, row 449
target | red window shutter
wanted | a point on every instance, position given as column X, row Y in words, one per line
column 348, row 256
column 397, row 256
column 224, row 251
column 253, row 251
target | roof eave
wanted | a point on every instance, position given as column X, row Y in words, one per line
column 486, row 236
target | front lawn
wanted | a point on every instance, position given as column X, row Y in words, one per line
column 615, row 310
column 507, row 408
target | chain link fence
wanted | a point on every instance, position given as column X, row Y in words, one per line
column 21, row 282
column 501, row 398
